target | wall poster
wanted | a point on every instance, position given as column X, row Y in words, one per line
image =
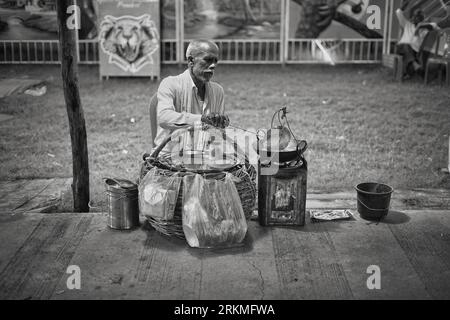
column 129, row 38
column 232, row 19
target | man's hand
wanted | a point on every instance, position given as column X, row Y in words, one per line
column 216, row 120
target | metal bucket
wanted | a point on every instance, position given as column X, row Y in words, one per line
column 373, row 199
column 123, row 204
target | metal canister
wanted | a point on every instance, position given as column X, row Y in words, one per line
column 123, row 204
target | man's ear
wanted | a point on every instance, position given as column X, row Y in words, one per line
column 190, row 61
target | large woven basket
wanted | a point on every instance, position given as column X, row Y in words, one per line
column 245, row 185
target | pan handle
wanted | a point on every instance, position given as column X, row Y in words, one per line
column 156, row 152
column 301, row 147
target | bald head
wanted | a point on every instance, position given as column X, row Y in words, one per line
column 197, row 47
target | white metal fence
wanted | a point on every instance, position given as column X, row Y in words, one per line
column 334, row 51
column 47, row 51
column 88, row 52
column 29, row 51
column 248, row 51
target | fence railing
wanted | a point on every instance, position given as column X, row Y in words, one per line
column 169, row 51
column 334, row 51
column 248, row 51
column 47, row 51
column 29, row 51
column 88, row 51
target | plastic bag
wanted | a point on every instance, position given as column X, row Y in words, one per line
column 158, row 194
column 212, row 212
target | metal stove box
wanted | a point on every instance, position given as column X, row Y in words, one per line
column 282, row 196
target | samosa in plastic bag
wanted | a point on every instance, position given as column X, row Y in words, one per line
column 158, row 194
column 212, row 212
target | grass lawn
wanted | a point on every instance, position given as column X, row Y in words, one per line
column 360, row 125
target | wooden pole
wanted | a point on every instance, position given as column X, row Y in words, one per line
column 77, row 42
column 386, row 36
column 283, row 33
column 287, row 20
column 391, row 16
column 69, row 71
column 179, row 31
column 181, row 22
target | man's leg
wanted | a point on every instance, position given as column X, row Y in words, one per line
column 409, row 58
column 423, row 58
column 416, row 63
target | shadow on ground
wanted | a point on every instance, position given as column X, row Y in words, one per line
column 393, row 217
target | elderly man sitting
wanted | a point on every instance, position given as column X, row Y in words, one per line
column 191, row 98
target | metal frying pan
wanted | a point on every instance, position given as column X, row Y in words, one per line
column 288, row 154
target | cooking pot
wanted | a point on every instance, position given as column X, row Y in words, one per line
column 290, row 153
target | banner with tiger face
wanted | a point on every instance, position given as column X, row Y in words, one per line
column 129, row 38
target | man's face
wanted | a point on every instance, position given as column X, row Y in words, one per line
column 204, row 64
column 418, row 17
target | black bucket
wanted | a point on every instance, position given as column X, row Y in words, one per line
column 373, row 199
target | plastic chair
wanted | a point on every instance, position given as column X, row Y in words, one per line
column 153, row 119
column 441, row 58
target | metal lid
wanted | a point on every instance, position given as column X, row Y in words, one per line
column 120, row 183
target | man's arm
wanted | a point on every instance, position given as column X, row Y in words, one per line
column 168, row 118
column 219, row 95
column 221, row 100
column 425, row 26
column 401, row 17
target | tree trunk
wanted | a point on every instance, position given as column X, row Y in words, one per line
column 69, row 71
column 249, row 16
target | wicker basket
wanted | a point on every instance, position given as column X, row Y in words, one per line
column 245, row 185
